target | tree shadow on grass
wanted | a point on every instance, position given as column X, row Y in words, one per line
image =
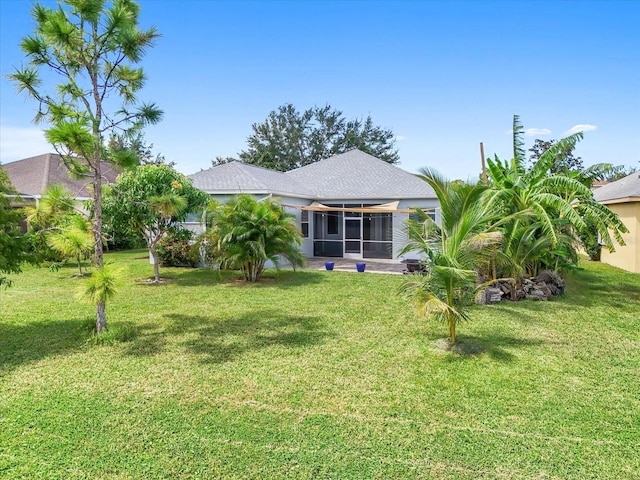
column 286, row 279
column 223, row 340
column 31, row 342
column 523, row 310
column 197, row 277
column 493, row 345
column 150, row 340
column 589, row 288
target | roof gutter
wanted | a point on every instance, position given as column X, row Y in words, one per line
column 614, row 201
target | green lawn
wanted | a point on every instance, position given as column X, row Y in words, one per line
column 315, row 374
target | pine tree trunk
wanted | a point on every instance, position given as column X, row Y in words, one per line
column 101, row 317
column 98, row 260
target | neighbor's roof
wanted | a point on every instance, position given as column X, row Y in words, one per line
column 31, row 176
column 350, row 175
column 626, row 189
column 358, row 175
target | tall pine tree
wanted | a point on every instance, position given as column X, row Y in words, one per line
column 92, row 47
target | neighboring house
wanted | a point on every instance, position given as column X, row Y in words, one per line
column 31, row 177
column 623, row 198
column 350, row 205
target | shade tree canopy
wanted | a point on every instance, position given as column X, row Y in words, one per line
column 564, row 160
column 134, row 142
column 288, row 139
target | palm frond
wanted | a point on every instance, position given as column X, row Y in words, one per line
column 102, row 285
column 518, row 146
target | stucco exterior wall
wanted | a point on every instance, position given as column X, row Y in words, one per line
column 626, row 257
column 399, row 221
column 307, row 243
column 398, row 241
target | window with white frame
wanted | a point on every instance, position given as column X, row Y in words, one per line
column 304, row 223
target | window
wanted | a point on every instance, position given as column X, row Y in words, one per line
column 304, row 223
column 353, row 214
column 413, row 216
column 193, row 217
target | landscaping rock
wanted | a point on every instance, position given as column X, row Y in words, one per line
column 546, row 285
column 491, row 295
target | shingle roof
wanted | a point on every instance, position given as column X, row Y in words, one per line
column 356, row 175
column 238, row 177
column 625, row 188
column 353, row 174
column 31, row 176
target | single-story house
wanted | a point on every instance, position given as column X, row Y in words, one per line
column 623, row 198
column 31, row 177
column 350, row 205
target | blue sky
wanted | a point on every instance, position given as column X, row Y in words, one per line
column 443, row 76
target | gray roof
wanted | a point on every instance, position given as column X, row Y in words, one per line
column 350, row 175
column 627, row 188
column 356, row 175
column 31, row 176
column 237, row 177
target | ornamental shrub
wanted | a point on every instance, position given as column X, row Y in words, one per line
column 177, row 249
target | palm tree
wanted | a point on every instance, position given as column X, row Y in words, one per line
column 554, row 206
column 76, row 240
column 56, row 203
column 60, row 229
column 454, row 249
column 251, row 232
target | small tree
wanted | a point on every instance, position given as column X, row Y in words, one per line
column 250, row 233
column 453, row 250
column 92, row 47
column 54, row 213
column 73, row 240
column 101, row 286
column 148, row 200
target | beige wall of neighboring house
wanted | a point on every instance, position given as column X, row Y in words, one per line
column 623, row 198
column 626, row 257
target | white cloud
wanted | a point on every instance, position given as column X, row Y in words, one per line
column 400, row 138
column 582, row 127
column 531, row 132
column 17, row 143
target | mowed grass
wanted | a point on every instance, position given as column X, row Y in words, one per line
column 315, row 374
